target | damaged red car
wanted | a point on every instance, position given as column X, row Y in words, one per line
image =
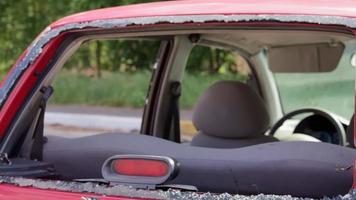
column 247, row 140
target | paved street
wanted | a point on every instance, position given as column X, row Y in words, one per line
column 79, row 121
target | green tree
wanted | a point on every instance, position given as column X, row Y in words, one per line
column 21, row 21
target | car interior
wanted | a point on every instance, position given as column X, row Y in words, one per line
column 237, row 147
column 230, row 115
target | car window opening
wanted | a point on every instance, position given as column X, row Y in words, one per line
column 211, row 119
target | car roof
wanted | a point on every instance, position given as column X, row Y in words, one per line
column 343, row 8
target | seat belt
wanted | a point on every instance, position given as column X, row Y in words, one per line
column 175, row 91
column 33, row 144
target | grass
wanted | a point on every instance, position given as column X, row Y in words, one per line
column 195, row 84
column 116, row 89
column 124, row 89
column 333, row 92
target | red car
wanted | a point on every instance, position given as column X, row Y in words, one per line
column 242, row 145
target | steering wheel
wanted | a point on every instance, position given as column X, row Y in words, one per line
column 337, row 124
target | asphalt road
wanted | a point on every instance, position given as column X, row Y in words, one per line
column 79, row 121
column 107, row 111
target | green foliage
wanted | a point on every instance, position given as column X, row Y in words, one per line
column 115, row 55
column 194, row 84
column 129, row 90
column 329, row 91
column 113, row 89
column 21, row 21
column 124, row 88
column 209, row 59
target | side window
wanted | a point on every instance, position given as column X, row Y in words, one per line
column 102, row 88
column 332, row 90
column 205, row 66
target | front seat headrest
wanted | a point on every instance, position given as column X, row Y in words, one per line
column 231, row 109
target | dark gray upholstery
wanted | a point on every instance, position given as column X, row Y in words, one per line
column 350, row 133
column 230, row 112
column 205, row 140
column 295, row 168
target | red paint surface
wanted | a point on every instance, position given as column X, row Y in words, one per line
column 26, row 83
column 139, row 167
column 11, row 192
column 28, row 79
column 345, row 8
column 196, row 7
column 12, row 69
column 207, row 7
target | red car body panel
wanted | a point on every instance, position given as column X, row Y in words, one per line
column 172, row 8
column 343, row 8
column 25, row 84
column 10, row 192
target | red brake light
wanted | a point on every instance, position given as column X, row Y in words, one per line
column 140, row 167
column 142, row 171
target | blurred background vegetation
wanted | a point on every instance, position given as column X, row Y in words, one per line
column 116, row 73
column 116, row 62
column 21, row 21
